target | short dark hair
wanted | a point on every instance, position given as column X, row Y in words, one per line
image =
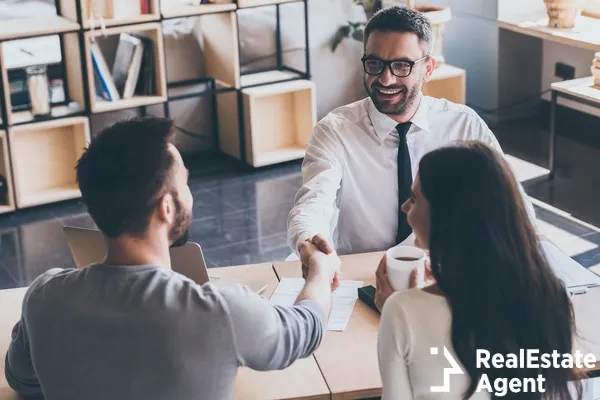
column 401, row 19
column 124, row 171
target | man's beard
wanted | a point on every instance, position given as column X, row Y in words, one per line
column 180, row 231
column 408, row 97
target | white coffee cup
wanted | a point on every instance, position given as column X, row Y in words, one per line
column 401, row 261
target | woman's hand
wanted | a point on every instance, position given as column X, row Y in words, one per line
column 384, row 289
column 413, row 280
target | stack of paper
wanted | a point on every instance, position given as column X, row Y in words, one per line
column 573, row 274
column 343, row 299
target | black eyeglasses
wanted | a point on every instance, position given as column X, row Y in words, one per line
column 399, row 68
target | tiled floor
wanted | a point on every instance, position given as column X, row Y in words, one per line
column 240, row 214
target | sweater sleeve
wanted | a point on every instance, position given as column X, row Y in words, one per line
column 19, row 370
column 269, row 337
column 393, row 348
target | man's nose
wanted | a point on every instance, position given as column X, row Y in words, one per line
column 386, row 78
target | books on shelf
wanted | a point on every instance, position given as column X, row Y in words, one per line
column 128, row 60
column 107, row 89
column 133, row 70
column 146, row 84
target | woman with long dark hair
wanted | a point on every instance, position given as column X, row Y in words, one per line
column 493, row 288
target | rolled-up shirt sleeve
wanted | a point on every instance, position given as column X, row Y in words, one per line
column 315, row 202
column 269, row 337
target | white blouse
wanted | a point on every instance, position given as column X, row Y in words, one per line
column 412, row 323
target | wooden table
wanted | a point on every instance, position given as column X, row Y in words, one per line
column 302, row 380
column 581, row 90
column 345, row 366
column 584, row 35
column 348, row 360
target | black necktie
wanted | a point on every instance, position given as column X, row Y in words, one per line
column 404, row 181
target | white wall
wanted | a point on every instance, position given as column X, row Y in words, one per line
column 471, row 43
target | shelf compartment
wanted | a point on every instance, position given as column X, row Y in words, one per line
column 152, row 31
column 24, row 117
column 107, row 10
column 44, row 155
column 5, row 87
column 261, row 78
column 447, row 82
column 221, row 52
column 21, row 28
column 73, row 78
column 258, row 3
column 278, row 121
column 186, row 10
column 6, row 204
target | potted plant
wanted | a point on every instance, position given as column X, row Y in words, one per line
column 562, row 14
column 438, row 16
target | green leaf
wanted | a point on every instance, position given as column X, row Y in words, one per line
column 356, row 25
column 358, row 34
column 342, row 33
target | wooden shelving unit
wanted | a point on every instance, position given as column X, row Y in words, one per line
column 221, row 48
column 8, row 204
column 278, row 121
column 73, row 76
column 22, row 28
column 263, row 78
column 152, row 31
column 44, row 155
column 104, row 8
column 172, row 10
column 448, row 82
column 258, row 3
column 264, row 117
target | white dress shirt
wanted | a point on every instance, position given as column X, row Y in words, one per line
column 350, row 184
column 412, row 322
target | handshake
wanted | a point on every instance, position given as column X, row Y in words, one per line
column 320, row 261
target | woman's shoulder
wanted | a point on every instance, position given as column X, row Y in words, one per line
column 416, row 297
column 415, row 303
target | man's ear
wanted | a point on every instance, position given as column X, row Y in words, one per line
column 430, row 65
column 166, row 208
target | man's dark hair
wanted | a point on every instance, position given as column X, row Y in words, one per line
column 401, row 19
column 124, row 171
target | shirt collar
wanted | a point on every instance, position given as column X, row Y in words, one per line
column 385, row 125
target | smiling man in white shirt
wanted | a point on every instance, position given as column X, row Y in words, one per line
column 362, row 157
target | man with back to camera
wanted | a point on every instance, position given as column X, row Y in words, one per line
column 362, row 157
column 131, row 328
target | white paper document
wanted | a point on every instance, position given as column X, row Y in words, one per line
column 343, row 299
column 573, row 274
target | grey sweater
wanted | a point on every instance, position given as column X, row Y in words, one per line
column 145, row 332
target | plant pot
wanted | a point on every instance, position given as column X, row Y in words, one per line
column 438, row 16
column 596, row 70
column 562, row 14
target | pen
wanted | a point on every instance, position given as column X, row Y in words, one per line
column 576, row 291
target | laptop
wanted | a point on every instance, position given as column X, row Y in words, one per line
column 88, row 246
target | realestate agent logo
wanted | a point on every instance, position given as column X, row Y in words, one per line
column 454, row 370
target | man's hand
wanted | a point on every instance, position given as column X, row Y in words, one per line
column 384, row 289
column 319, row 241
column 315, row 262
